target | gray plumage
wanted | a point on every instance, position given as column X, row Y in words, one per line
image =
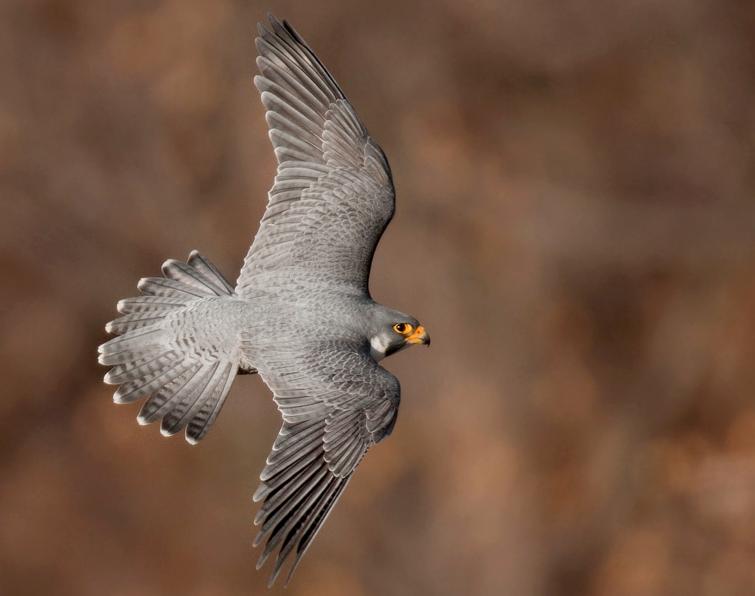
column 301, row 314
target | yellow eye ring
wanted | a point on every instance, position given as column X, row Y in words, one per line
column 403, row 328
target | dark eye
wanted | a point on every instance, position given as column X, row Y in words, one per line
column 402, row 328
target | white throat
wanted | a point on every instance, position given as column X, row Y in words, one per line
column 377, row 348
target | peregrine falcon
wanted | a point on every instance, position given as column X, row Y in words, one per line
column 301, row 314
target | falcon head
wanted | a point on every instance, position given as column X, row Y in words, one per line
column 392, row 331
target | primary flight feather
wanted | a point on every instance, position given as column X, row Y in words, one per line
column 301, row 314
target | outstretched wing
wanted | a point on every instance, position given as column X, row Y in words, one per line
column 333, row 194
column 336, row 403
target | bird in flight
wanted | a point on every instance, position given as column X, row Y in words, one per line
column 301, row 314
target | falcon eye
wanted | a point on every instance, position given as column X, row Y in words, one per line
column 403, row 328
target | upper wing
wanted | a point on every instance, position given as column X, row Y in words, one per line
column 336, row 402
column 333, row 194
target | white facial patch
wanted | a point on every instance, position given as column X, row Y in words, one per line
column 378, row 348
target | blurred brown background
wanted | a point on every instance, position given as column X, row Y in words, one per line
column 575, row 225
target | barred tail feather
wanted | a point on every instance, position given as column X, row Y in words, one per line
column 209, row 389
column 209, row 408
column 147, row 361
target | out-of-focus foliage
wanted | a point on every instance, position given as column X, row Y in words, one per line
column 576, row 227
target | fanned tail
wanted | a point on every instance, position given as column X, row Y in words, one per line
column 163, row 354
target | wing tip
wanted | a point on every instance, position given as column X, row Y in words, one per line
column 269, row 21
column 260, row 493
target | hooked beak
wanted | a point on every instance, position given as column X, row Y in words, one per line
column 419, row 336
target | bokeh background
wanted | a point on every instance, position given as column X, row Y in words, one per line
column 575, row 225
